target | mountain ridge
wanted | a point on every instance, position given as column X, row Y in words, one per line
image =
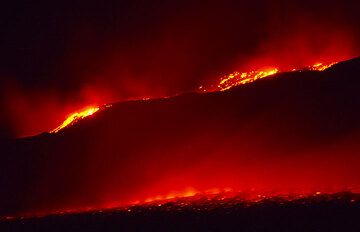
column 291, row 122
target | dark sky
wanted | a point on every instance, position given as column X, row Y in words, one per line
column 59, row 56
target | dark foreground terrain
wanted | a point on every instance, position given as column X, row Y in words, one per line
column 334, row 212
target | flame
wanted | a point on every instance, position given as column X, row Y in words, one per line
column 222, row 193
column 189, row 192
column 225, row 83
column 75, row 117
column 321, row 66
column 203, row 201
column 242, row 78
column 238, row 78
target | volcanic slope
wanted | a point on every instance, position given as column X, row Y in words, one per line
column 295, row 132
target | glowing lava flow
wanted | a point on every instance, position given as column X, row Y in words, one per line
column 198, row 201
column 237, row 78
column 241, row 78
column 75, row 117
column 321, row 66
column 192, row 194
column 225, row 83
column 189, row 192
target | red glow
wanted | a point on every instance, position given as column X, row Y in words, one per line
column 75, row 117
column 210, row 199
column 272, row 139
column 225, row 83
column 237, row 78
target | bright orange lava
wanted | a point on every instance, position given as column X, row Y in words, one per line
column 75, row 117
column 189, row 192
column 225, row 83
column 237, row 78
column 321, row 66
column 223, row 193
column 204, row 200
column 241, row 78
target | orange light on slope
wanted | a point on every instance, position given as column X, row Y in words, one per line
column 189, row 192
column 238, row 78
column 191, row 196
column 225, row 83
column 241, row 78
column 321, row 66
column 75, row 117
